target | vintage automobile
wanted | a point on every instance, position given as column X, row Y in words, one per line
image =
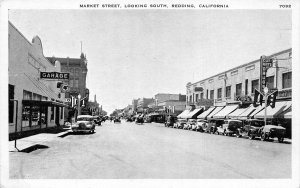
column 97, row 120
column 200, row 124
column 139, row 120
column 272, row 131
column 84, row 123
column 180, row 123
column 230, row 127
column 191, row 123
column 250, row 128
column 213, row 125
column 170, row 121
column 117, row 120
column 129, row 119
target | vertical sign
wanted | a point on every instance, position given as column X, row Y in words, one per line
column 265, row 63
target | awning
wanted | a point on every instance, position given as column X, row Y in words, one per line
column 43, row 103
column 235, row 114
column 218, row 109
column 206, row 113
column 272, row 112
column 288, row 115
column 225, row 111
column 184, row 114
column 193, row 114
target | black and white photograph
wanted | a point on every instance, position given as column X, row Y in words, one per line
column 150, row 94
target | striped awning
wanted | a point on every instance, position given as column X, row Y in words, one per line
column 225, row 111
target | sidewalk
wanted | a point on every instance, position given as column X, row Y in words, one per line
column 37, row 139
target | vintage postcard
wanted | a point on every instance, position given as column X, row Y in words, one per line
column 150, row 93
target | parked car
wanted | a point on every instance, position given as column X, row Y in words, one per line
column 97, row 120
column 213, row 125
column 117, row 120
column 231, row 126
column 170, row 121
column 139, row 120
column 272, row 131
column 191, row 124
column 200, row 124
column 251, row 128
column 180, row 123
column 84, row 123
column 129, row 119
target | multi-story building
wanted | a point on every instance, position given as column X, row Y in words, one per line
column 142, row 104
column 241, row 82
column 237, row 86
column 34, row 102
column 161, row 97
column 77, row 68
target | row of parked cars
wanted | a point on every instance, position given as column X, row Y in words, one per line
column 251, row 128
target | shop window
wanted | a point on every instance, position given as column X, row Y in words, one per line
column 52, row 112
column 27, row 95
column 287, row 80
column 35, row 115
column 190, row 98
column 211, row 94
column 201, row 95
column 11, row 105
column 219, row 93
column 26, row 114
column 238, row 89
column 228, row 91
column 197, row 97
column 254, row 85
column 270, row 82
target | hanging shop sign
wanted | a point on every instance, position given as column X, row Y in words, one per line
column 197, row 89
column 55, row 75
column 265, row 64
column 285, row 93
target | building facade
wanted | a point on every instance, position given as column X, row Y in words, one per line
column 239, row 83
column 34, row 102
column 77, row 68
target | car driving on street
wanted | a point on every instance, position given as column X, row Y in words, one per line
column 84, row 123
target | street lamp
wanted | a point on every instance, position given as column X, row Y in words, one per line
column 78, row 105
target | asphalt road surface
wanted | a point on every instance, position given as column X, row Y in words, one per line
column 128, row 150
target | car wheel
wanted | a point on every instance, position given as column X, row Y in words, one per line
column 263, row 136
column 280, row 139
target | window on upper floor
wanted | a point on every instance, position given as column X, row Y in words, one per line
column 270, row 82
column 287, row 80
column 228, row 91
column 254, row 85
column 211, row 94
column 238, row 89
column 219, row 95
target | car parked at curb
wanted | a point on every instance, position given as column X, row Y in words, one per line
column 200, row 125
column 191, row 124
column 180, row 123
column 84, row 123
column 250, row 128
column 230, row 127
column 272, row 131
column 213, row 125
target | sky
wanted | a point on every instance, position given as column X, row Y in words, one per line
column 138, row 53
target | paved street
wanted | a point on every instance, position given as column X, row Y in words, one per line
column 153, row 151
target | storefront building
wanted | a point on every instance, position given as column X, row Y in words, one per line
column 34, row 102
column 232, row 91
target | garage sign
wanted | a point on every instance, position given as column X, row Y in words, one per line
column 55, row 75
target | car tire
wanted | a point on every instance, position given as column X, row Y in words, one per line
column 263, row 136
column 280, row 139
